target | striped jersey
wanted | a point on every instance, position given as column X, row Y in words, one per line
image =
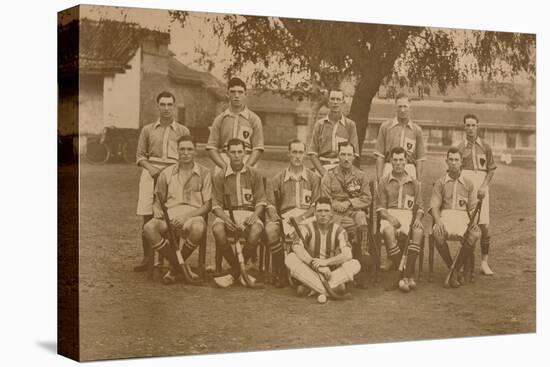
column 322, row 244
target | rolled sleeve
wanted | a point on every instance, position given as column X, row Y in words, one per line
column 420, row 146
column 314, row 143
column 141, row 151
column 206, row 191
column 217, row 191
column 380, row 147
column 257, row 138
column 353, row 137
column 491, row 165
column 381, row 199
column 437, row 196
column 214, row 136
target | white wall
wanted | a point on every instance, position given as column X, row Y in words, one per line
column 121, row 96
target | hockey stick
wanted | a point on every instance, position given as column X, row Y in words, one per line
column 282, row 231
column 327, row 286
column 172, row 238
column 238, row 248
column 403, row 262
column 464, row 236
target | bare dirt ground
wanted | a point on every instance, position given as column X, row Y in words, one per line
column 123, row 315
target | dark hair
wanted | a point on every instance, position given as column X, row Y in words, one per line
column 234, row 141
column 165, row 94
column 397, row 150
column 235, row 82
column 187, row 138
column 345, row 144
column 323, row 200
column 294, row 141
column 401, row 95
column 453, row 150
column 470, row 116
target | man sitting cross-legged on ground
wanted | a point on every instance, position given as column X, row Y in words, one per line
column 348, row 187
column 326, row 252
column 246, row 193
column 453, row 202
column 298, row 189
column 397, row 194
column 186, row 190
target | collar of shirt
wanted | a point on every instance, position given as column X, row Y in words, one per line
column 229, row 170
column 460, row 179
column 301, row 175
column 342, row 120
column 172, row 124
column 407, row 178
column 196, row 169
column 244, row 113
column 477, row 141
column 396, row 122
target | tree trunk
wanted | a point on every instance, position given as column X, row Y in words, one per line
column 365, row 90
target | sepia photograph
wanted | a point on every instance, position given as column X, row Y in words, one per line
column 233, row 183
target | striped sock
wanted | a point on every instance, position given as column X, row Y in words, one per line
column 165, row 248
column 412, row 255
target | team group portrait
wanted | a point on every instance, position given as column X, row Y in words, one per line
column 258, row 183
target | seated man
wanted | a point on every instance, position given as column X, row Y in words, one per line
column 186, row 190
column 298, row 189
column 348, row 187
column 326, row 253
column 397, row 195
column 247, row 198
column 453, row 202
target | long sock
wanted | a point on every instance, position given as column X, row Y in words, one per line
column 277, row 254
column 412, row 254
column 166, row 249
column 445, row 253
column 485, row 242
column 187, row 249
column 395, row 255
column 229, row 256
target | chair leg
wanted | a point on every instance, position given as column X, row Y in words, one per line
column 421, row 260
column 202, row 256
column 431, row 244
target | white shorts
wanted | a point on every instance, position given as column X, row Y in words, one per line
column 409, row 168
column 477, row 179
column 146, row 192
column 181, row 211
column 240, row 217
column 403, row 216
column 455, row 222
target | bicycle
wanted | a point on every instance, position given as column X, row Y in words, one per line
column 112, row 143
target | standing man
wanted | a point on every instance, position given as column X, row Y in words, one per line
column 298, row 189
column 400, row 132
column 329, row 132
column 397, row 194
column 157, row 149
column 453, row 202
column 246, row 193
column 236, row 122
column 478, row 165
column 186, row 190
column 326, row 253
column 348, row 187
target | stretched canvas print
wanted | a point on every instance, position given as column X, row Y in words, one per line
column 235, row 183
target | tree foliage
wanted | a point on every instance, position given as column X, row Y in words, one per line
column 305, row 57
